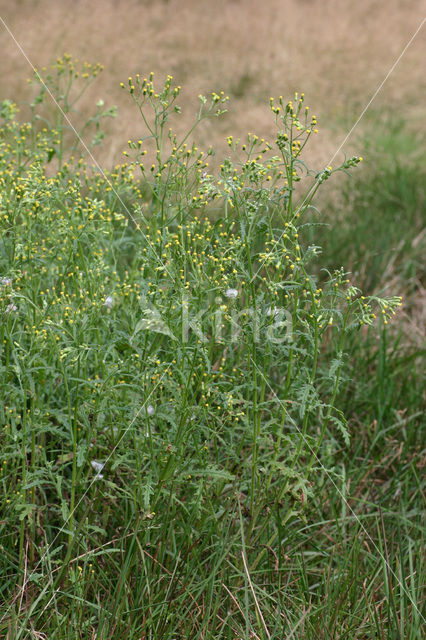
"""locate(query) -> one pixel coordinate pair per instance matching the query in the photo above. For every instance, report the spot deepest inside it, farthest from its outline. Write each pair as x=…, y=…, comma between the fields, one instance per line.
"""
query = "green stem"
x=74, y=459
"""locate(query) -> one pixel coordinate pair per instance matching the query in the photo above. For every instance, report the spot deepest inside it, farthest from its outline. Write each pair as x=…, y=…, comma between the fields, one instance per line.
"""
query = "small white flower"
x=98, y=466
x=231, y=293
x=11, y=307
x=150, y=410
x=108, y=302
x=6, y=281
x=108, y=430
x=272, y=311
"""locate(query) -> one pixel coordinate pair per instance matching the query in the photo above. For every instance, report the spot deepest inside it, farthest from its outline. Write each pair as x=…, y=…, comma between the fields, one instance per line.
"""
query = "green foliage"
x=171, y=365
x=384, y=233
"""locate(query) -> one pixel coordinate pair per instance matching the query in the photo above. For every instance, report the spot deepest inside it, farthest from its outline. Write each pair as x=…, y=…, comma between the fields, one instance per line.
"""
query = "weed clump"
x=163, y=341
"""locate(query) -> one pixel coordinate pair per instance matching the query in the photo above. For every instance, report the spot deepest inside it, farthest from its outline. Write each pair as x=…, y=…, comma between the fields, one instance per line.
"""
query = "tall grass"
x=177, y=461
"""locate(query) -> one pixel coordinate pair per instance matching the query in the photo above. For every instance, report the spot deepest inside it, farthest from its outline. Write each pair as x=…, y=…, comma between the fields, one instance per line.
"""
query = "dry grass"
x=336, y=52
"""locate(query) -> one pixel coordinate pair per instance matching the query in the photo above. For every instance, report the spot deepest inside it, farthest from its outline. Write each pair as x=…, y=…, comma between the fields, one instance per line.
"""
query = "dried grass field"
x=336, y=52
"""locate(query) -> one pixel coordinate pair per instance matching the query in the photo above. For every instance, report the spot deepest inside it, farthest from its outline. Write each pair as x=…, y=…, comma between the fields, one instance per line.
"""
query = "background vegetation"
x=337, y=52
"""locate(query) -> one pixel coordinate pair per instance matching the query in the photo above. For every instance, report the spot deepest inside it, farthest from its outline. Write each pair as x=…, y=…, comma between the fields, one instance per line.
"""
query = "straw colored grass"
x=336, y=52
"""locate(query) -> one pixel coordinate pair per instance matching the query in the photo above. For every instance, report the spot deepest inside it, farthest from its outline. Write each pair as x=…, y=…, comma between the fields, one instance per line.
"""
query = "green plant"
x=53, y=109
x=378, y=219
x=169, y=407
